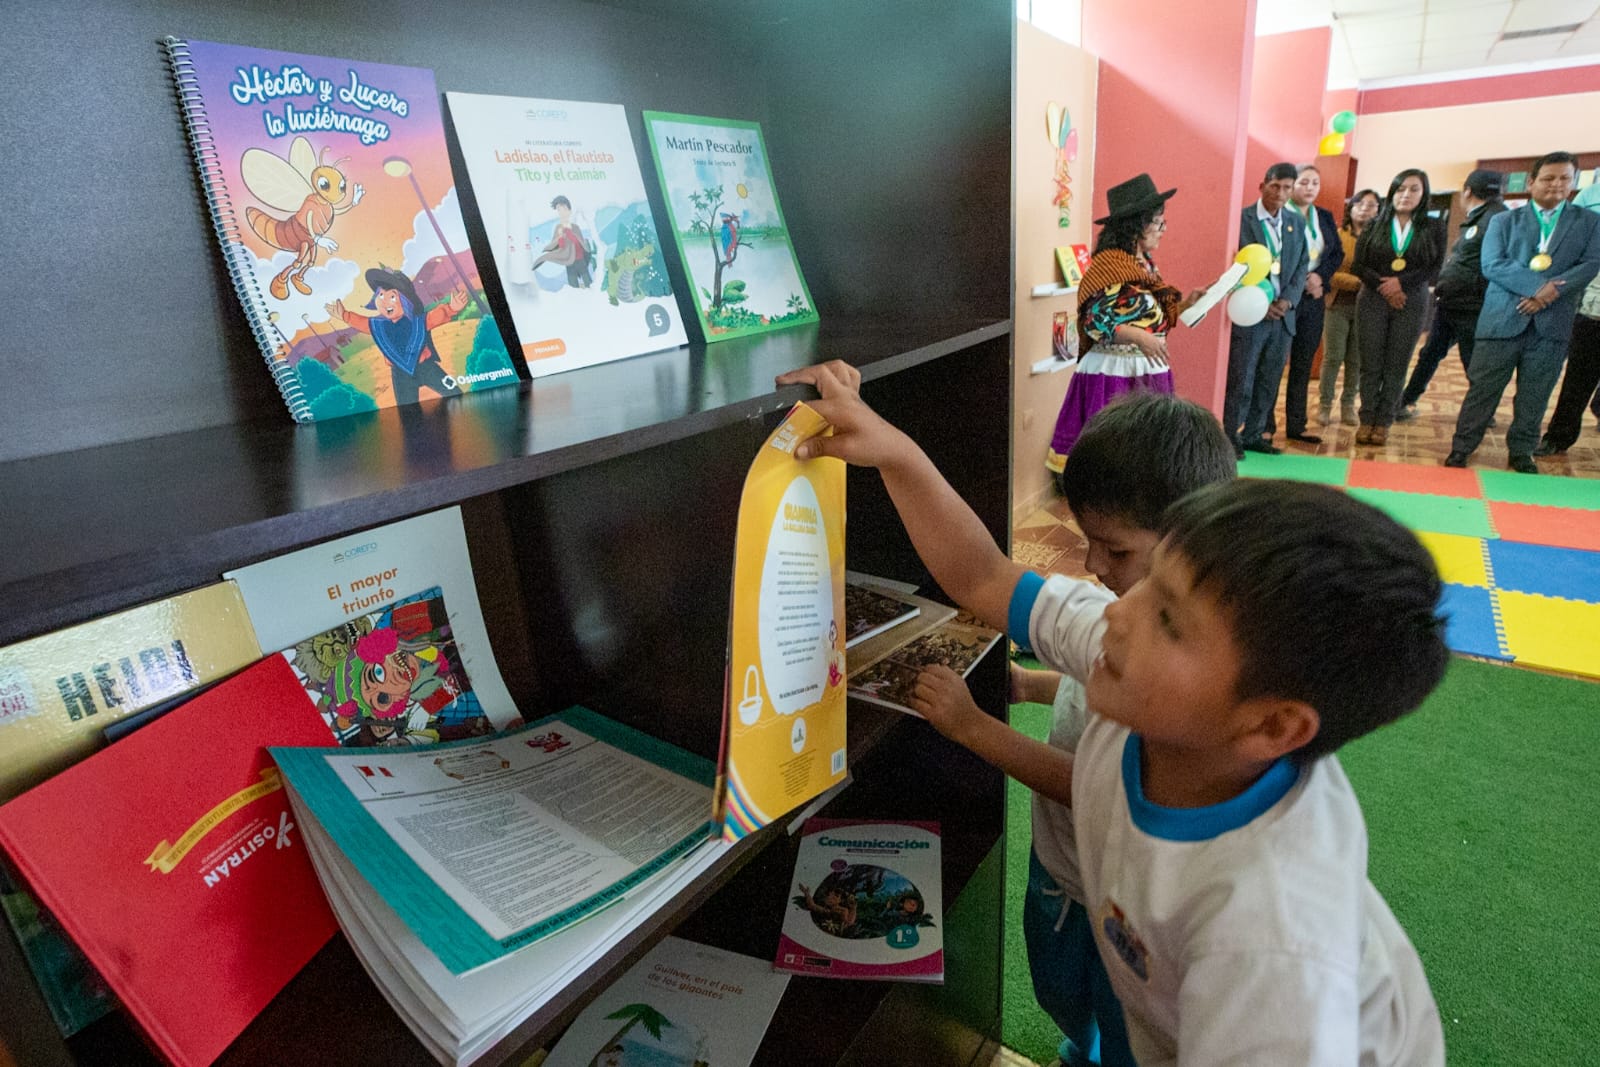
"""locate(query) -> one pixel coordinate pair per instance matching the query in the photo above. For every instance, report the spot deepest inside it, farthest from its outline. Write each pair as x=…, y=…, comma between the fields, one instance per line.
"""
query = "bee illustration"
x=311, y=191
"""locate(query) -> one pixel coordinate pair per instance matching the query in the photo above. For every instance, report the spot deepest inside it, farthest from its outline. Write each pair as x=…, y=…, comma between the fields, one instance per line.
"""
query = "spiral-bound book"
x=331, y=192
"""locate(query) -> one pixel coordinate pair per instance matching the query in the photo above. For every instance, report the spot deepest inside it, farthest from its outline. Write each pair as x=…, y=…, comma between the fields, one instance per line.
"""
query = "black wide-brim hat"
x=384, y=278
x=1133, y=196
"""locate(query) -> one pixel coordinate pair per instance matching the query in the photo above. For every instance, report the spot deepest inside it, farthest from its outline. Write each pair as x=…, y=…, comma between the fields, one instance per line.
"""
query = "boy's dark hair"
x=1279, y=171
x=1141, y=453
x=1553, y=157
x=1331, y=601
x=561, y=201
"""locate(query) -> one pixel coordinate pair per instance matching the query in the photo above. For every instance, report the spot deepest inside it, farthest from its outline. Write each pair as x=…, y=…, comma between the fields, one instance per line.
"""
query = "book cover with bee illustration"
x=331, y=192
x=563, y=204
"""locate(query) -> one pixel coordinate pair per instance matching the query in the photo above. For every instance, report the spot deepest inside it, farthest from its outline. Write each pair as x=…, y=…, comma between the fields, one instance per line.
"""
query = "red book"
x=173, y=859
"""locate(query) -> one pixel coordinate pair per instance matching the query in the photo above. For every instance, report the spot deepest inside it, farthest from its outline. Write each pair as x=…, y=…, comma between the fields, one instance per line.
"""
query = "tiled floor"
x=1049, y=540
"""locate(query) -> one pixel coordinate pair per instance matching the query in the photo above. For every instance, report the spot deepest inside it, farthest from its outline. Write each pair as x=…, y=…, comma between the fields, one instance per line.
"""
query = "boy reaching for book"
x=1136, y=457
x=1223, y=854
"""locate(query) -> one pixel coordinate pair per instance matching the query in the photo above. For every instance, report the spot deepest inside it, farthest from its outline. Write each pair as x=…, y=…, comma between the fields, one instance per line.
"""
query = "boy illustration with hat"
x=403, y=332
x=1256, y=354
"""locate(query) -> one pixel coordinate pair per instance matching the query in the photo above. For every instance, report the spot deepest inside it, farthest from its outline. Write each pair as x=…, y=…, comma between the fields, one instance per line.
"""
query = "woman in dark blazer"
x=1326, y=254
x=1397, y=256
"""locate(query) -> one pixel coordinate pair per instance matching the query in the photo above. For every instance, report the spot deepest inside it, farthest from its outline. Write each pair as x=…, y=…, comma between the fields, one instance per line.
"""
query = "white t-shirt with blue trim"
x=1054, y=840
x=1245, y=933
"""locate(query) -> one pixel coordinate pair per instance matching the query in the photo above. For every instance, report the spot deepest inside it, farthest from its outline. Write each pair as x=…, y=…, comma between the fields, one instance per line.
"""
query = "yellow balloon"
x=1332, y=144
x=1052, y=122
x=741, y=189
x=1257, y=262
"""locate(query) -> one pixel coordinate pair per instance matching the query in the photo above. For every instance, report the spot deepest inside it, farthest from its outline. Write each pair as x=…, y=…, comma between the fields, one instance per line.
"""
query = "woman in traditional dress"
x=1124, y=312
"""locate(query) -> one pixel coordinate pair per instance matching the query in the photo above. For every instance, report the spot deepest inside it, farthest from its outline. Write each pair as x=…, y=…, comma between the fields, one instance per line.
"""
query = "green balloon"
x=1066, y=128
x=1343, y=122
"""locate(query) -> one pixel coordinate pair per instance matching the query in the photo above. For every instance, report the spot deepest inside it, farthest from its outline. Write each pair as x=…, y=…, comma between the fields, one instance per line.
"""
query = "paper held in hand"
x=1215, y=295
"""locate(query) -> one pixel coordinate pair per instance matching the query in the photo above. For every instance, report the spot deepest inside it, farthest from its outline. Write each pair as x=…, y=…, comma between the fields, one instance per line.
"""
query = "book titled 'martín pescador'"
x=331, y=192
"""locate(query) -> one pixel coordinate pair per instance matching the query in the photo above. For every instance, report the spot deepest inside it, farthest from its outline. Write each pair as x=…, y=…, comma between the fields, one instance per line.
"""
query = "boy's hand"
x=860, y=436
x=941, y=696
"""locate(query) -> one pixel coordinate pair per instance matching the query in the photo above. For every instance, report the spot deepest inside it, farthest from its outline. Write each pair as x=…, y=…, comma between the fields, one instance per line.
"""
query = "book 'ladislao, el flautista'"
x=330, y=189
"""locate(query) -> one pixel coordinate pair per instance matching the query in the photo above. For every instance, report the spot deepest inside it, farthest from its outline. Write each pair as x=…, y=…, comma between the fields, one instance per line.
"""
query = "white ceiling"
x=1378, y=42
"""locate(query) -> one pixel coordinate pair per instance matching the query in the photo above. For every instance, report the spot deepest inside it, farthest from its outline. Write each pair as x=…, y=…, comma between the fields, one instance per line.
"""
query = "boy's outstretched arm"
x=941, y=696
x=947, y=534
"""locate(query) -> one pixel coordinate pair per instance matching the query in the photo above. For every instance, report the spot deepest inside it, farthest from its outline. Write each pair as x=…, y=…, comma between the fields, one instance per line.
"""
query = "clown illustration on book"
x=391, y=678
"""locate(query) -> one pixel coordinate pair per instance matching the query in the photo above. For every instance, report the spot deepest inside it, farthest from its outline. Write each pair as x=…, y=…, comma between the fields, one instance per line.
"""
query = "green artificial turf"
x=1483, y=814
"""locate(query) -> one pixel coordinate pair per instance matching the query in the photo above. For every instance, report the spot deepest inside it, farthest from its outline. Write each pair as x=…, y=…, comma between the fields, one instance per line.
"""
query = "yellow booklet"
x=60, y=690
x=783, y=727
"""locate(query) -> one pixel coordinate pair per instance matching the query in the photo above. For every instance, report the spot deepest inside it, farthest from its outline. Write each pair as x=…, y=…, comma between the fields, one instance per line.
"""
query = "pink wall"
x=1174, y=102
x=1561, y=82
x=1286, y=91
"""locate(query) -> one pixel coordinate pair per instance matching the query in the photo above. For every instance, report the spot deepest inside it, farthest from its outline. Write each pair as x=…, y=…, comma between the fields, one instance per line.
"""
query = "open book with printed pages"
x=475, y=878
x=890, y=681
x=930, y=616
x=869, y=610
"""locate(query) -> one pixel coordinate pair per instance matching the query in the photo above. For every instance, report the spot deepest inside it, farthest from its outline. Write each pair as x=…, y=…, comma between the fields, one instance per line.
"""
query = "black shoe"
x=1456, y=459
x=1238, y=450
x=1266, y=448
x=1306, y=438
x=1523, y=463
x=1548, y=447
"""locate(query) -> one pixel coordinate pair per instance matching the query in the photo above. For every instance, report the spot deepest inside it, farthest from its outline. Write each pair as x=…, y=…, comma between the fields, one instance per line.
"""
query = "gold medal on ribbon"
x=1398, y=264
x=1276, y=267
x=1540, y=262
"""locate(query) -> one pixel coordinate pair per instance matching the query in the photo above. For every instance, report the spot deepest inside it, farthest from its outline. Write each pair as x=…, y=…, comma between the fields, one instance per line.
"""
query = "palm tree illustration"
x=634, y=1015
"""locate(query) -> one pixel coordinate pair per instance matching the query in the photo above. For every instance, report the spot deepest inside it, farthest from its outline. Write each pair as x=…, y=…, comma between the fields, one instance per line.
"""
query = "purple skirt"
x=1100, y=378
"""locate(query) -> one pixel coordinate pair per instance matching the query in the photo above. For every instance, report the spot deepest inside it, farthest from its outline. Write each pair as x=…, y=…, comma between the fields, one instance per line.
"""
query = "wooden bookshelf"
x=1587, y=161
x=145, y=449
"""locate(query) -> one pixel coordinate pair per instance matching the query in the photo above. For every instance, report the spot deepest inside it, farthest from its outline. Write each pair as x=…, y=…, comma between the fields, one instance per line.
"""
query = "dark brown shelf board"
x=100, y=529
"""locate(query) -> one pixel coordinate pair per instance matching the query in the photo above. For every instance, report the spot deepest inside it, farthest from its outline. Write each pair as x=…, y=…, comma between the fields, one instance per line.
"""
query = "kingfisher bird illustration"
x=728, y=238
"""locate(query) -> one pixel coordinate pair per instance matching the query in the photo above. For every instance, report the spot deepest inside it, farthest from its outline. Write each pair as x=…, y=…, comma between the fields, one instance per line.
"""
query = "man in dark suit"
x=1458, y=295
x=1538, y=258
x=1324, y=255
x=1256, y=354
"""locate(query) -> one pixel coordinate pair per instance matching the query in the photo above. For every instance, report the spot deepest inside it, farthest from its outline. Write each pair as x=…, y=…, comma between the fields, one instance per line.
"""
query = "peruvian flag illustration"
x=380, y=779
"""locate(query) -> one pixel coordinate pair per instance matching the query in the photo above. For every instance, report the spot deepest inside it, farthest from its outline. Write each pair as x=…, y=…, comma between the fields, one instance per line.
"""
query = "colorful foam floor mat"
x=1519, y=553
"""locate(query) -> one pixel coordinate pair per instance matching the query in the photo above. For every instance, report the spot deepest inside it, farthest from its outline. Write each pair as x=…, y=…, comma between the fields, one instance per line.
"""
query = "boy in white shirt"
x=1134, y=459
x=1223, y=856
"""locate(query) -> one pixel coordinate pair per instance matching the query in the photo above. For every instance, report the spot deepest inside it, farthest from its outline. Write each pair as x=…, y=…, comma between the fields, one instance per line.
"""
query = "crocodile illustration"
x=620, y=271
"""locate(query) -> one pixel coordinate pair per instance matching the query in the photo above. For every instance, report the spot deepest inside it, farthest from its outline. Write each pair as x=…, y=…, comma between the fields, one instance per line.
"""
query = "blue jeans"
x=1069, y=979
